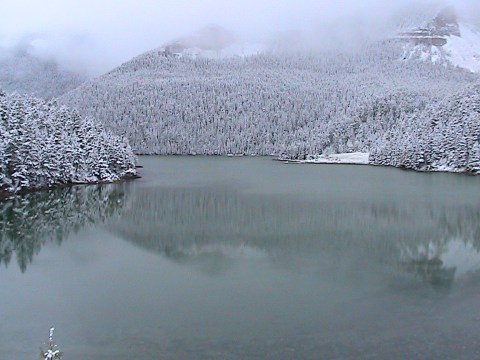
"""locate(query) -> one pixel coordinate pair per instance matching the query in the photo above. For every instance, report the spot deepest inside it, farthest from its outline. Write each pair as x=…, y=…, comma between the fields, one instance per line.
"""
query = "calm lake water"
x=245, y=258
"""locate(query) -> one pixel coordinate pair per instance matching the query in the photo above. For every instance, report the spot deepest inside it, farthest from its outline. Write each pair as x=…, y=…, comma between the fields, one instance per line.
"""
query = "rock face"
x=446, y=23
x=445, y=40
x=436, y=32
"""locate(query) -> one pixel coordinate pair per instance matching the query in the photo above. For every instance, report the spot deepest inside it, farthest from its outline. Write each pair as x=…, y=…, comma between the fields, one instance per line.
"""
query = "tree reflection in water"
x=30, y=221
x=185, y=225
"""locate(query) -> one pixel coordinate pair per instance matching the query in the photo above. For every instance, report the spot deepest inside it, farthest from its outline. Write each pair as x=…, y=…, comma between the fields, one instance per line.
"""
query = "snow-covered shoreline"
x=363, y=159
x=345, y=159
x=9, y=194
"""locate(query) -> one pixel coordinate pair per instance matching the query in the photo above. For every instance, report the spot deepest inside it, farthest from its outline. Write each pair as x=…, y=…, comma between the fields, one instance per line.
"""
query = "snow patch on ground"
x=347, y=158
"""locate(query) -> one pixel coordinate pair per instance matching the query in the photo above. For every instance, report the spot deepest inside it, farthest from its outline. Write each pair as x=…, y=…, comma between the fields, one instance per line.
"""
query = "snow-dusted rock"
x=445, y=40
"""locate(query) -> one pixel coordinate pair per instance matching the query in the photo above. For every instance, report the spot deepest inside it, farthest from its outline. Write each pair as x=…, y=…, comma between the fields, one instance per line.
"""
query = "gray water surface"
x=245, y=258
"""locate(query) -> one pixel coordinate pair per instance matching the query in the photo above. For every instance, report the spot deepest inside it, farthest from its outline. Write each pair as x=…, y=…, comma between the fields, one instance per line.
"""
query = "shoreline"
x=333, y=159
x=423, y=171
x=5, y=195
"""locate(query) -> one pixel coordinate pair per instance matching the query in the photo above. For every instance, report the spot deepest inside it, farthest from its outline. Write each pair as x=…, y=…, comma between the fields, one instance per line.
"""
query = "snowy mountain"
x=23, y=72
x=43, y=145
x=446, y=40
x=291, y=105
x=181, y=99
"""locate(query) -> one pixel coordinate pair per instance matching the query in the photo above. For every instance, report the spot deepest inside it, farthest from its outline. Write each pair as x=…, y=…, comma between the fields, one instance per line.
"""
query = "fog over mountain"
x=26, y=71
x=76, y=34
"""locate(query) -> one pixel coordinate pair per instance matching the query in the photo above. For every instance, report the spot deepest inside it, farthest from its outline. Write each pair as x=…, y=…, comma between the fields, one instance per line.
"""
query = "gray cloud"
x=102, y=34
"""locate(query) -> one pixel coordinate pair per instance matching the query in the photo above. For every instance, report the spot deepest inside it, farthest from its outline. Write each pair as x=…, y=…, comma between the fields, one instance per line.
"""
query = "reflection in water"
x=27, y=222
x=248, y=259
x=192, y=225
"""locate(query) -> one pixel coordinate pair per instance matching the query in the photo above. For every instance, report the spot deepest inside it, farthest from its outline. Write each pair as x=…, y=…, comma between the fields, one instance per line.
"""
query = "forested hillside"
x=270, y=104
x=43, y=145
x=444, y=136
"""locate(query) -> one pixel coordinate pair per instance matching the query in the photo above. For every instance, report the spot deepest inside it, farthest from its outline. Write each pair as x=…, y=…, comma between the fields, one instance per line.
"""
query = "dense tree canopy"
x=271, y=104
x=43, y=145
x=444, y=136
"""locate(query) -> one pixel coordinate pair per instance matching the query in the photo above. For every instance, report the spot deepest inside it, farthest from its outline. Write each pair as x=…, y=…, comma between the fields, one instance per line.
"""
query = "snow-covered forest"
x=272, y=104
x=43, y=145
x=443, y=137
x=30, y=221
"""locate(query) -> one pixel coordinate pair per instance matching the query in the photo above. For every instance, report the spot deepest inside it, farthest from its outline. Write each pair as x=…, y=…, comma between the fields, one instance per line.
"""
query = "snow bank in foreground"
x=347, y=158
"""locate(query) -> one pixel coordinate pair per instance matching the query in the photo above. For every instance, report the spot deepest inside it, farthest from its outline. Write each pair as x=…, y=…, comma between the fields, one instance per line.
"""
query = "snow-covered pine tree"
x=443, y=137
x=44, y=145
x=293, y=105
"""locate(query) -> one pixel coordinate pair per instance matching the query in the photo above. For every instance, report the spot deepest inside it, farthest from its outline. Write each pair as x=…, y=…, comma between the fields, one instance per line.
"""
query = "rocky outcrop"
x=436, y=32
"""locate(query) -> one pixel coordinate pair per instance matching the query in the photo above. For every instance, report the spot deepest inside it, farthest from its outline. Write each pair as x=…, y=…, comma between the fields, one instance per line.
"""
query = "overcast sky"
x=104, y=33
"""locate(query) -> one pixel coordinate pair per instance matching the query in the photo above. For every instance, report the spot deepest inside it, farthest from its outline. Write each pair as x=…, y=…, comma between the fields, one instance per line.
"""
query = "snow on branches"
x=43, y=145
x=443, y=137
x=289, y=105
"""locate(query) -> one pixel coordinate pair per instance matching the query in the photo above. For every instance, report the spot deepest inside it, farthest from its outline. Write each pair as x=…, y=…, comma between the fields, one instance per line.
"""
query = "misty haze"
x=239, y=179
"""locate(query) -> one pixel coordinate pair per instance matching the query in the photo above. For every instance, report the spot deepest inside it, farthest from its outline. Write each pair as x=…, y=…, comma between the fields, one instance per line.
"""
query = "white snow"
x=50, y=355
x=72, y=149
x=436, y=55
x=464, y=51
x=346, y=158
x=236, y=50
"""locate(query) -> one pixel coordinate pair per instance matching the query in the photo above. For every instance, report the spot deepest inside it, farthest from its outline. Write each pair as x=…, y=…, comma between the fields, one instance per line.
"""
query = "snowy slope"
x=43, y=145
x=464, y=50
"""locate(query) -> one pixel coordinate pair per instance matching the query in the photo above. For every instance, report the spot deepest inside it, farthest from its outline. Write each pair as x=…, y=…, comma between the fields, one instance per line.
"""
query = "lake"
x=245, y=258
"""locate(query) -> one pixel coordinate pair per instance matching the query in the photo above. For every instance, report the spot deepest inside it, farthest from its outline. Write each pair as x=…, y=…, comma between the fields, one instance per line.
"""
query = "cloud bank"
x=102, y=34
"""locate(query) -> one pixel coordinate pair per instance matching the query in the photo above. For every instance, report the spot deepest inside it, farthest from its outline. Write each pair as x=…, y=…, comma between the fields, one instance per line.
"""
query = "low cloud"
x=98, y=35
